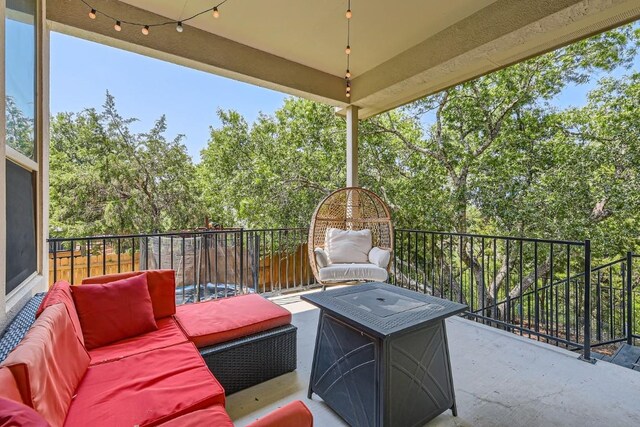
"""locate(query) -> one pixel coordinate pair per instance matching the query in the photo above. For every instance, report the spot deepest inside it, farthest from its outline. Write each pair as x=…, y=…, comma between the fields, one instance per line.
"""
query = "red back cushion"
x=14, y=414
x=48, y=364
x=114, y=311
x=8, y=386
x=162, y=288
x=60, y=292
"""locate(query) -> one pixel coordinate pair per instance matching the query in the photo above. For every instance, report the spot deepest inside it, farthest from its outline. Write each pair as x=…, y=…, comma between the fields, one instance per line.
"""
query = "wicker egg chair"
x=350, y=208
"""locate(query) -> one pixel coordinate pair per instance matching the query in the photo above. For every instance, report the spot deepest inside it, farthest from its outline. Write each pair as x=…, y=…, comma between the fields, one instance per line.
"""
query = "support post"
x=352, y=146
x=586, y=349
x=629, y=279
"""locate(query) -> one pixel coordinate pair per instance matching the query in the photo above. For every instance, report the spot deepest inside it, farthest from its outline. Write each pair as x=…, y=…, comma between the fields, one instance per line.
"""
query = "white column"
x=352, y=146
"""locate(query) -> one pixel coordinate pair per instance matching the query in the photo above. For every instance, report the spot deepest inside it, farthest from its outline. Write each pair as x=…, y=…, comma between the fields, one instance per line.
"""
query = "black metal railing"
x=533, y=287
x=615, y=302
x=209, y=264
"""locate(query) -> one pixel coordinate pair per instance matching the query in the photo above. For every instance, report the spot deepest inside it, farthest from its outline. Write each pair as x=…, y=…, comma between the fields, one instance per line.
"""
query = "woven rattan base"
x=19, y=326
x=248, y=361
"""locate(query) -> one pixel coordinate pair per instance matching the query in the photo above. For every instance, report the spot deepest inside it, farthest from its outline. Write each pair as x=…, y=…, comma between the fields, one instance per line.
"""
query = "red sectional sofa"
x=118, y=353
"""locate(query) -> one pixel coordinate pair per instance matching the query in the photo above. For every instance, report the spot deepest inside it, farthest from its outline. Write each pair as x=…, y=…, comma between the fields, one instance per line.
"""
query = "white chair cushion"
x=379, y=256
x=349, y=272
x=346, y=246
x=322, y=259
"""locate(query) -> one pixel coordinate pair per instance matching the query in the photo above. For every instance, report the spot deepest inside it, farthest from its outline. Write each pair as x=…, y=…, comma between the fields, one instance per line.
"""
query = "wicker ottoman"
x=244, y=339
x=248, y=361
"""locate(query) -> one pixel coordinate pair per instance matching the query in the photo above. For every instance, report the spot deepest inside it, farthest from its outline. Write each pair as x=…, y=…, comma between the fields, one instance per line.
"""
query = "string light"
x=145, y=27
x=347, y=51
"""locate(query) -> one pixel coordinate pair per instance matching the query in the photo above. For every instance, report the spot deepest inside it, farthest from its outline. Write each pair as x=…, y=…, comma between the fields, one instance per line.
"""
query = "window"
x=20, y=48
x=21, y=153
x=21, y=225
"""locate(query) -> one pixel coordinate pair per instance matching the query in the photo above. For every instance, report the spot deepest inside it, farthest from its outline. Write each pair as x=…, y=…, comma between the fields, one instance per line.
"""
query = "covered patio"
x=518, y=354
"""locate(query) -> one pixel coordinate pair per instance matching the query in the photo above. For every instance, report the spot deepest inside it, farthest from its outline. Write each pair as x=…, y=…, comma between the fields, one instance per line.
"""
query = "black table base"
x=370, y=379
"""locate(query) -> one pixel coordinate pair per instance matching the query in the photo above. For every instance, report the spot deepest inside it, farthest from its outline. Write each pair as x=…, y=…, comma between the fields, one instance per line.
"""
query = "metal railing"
x=209, y=264
x=533, y=287
x=615, y=302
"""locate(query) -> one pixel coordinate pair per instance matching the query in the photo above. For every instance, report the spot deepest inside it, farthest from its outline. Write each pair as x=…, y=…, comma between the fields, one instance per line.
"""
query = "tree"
x=497, y=158
x=273, y=173
x=19, y=129
x=106, y=179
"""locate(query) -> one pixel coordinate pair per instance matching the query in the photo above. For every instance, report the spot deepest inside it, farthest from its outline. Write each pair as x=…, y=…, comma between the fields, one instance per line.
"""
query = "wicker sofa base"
x=248, y=361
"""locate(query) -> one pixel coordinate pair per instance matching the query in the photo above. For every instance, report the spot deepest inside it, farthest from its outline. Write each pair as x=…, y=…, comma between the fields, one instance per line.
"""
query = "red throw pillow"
x=161, y=283
x=115, y=311
x=14, y=414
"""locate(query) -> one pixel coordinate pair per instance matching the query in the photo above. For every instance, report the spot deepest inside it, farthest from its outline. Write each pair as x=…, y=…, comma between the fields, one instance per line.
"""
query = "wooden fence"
x=84, y=266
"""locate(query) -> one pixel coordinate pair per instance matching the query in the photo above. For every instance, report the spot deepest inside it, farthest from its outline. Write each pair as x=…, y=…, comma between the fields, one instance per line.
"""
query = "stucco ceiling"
x=401, y=50
x=314, y=32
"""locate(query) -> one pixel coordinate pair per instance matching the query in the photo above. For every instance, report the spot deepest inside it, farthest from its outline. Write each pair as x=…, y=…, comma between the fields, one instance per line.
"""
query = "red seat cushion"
x=15, y=414
x=168, y=334
x=60, y=292
x=294, y=414
x=226, y=319
x=145, y=389
x=162, y=288
x=115, y=311
x=48, y=364
x=212, y=416
x=8, y=386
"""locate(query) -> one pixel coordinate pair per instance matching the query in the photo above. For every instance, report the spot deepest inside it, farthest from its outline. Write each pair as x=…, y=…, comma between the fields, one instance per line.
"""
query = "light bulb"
x=347, y=50
x=348, y=95
x=348, y=14
x=216, y=12
x=348, y=88
x=179, y=27
x=117, y=26
x=348, y=75
x=92, y=14
x=145, y=30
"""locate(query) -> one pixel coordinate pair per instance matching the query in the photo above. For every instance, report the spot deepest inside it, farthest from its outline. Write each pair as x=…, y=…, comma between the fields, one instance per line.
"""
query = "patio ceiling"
x=401, y=51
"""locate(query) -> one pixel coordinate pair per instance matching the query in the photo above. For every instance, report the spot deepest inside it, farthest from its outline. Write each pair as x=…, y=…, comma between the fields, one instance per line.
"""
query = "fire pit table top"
x=382, y=309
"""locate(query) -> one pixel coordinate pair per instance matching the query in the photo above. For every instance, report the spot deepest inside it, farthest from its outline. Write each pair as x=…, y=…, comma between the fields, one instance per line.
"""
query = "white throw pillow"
x=347, y=246
x=379, y=257
x=322, y=259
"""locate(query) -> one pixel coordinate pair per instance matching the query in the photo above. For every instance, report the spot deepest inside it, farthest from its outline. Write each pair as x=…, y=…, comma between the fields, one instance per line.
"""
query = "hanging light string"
x=146, y=27
x=347, y=50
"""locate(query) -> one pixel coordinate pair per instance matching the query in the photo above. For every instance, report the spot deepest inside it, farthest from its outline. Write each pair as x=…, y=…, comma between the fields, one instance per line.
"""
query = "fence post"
x=629, y=298
x=586, y=349
x=241, y=260
x=395, y=260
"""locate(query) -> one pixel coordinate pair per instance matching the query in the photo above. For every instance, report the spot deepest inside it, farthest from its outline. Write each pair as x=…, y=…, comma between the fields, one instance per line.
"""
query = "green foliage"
x=19, y=129
x=495, y=156
x=488, y=156
x=105, y=179
x=273, y=173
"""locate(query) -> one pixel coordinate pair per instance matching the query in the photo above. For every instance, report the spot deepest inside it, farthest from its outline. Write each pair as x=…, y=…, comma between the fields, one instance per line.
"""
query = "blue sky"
x=146, y=88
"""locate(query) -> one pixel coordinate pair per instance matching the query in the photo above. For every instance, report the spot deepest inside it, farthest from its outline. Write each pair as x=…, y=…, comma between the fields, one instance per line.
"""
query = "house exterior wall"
x=10, y=303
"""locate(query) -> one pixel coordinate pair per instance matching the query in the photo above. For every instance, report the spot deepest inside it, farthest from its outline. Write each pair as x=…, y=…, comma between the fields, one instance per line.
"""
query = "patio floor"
x=500, y=379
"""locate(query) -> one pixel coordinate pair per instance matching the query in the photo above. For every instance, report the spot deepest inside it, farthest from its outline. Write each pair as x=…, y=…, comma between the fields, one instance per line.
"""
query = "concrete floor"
x=500, y=380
